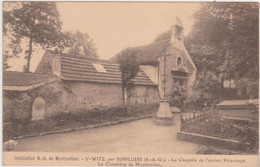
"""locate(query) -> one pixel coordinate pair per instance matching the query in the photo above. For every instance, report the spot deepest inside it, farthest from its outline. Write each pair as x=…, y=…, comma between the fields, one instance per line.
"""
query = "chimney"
x=177, y=32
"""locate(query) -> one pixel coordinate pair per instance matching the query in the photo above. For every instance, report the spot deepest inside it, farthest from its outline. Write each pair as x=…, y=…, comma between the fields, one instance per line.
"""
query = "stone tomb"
x=239, y=109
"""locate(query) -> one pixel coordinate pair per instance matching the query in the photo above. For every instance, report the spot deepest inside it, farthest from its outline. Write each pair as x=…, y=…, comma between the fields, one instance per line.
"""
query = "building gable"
x=180, y=59
x=45, y=65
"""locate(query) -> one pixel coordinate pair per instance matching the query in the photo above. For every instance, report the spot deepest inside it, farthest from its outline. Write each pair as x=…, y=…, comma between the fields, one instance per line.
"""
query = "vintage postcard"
x=130, y=84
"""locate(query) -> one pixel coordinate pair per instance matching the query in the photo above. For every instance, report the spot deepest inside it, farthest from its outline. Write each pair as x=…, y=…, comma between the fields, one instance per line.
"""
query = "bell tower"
x=177, y=36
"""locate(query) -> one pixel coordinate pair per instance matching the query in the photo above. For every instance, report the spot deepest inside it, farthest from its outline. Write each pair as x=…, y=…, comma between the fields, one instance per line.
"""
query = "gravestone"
x=38, y=109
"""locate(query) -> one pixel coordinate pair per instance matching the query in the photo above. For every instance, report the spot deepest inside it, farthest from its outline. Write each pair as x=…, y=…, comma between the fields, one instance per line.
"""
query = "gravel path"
x=137, y=136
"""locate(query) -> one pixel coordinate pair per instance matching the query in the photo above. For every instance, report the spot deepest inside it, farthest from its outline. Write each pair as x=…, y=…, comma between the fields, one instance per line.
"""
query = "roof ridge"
x=91, y=60
x=159, y=41
x=27, y=73
x=141, y=46
x=79, y=56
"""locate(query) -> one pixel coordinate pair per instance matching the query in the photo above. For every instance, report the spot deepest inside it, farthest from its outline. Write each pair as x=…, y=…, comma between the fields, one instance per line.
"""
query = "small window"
x=99, y=67
x=179, y=61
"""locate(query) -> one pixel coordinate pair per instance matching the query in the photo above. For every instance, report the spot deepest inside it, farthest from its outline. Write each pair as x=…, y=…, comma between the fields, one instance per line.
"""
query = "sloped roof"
x=14, y=78
x=79, y=68
x=150, y=52
x=20, y=81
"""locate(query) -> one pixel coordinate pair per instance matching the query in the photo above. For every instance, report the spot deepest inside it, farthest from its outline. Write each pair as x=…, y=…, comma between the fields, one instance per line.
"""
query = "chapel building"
x=71, y=84
x=167, y=62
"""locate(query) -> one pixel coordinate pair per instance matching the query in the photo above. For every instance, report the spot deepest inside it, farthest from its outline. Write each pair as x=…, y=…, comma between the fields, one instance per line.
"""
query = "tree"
x=129, y=69
x=81, y=44
x=37, y=22
x=6, y=54
x=224, y=43
x=13, y=42
x=164, y=36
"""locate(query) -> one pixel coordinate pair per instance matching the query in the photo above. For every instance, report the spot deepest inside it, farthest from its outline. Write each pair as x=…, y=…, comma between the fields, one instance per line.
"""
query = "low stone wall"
x=216, y=151
x=213, y=141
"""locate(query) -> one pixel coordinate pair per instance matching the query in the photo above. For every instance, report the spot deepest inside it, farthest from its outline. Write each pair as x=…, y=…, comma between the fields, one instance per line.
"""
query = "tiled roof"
x=13, y=78
x=79, y=68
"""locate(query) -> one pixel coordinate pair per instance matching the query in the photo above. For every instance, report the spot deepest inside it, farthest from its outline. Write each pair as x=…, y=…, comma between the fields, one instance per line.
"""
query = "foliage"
x=20, y=105
x=164, y=36
x=208, y=88
x=6, y=56
x=129, y=69
x=81, y=44
x=37, y=22
x=224, y=46
x=14, y=44
x=208, y=91
x=178, y=96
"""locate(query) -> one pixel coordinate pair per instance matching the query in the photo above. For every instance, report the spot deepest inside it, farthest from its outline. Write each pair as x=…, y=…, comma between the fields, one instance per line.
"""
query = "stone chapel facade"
x=168, y=63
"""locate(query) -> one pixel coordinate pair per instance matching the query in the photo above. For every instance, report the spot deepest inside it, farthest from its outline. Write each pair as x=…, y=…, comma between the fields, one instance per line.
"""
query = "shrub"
x=178, y=96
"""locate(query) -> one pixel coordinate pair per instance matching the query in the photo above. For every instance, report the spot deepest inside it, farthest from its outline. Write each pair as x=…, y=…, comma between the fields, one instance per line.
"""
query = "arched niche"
x=38, y=109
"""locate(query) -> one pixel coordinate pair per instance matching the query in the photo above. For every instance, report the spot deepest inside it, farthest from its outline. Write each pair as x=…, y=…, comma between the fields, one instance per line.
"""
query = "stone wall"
x=7, y=108
x=63, y=97
x=144, y=95
x=90, y=96
x=17, y=105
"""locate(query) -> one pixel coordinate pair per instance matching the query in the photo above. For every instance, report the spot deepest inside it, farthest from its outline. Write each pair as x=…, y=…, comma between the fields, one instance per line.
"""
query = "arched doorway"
x=180, y=79
x=38, y=109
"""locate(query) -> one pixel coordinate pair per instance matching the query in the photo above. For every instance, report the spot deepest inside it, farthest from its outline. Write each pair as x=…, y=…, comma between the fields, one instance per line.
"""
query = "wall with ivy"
x=18, y=104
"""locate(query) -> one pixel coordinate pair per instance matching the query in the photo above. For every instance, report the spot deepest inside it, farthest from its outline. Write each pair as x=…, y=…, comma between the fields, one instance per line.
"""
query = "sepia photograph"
x=131, y=83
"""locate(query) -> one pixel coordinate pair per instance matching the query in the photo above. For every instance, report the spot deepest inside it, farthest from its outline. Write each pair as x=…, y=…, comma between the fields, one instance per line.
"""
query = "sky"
x=116, y=25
